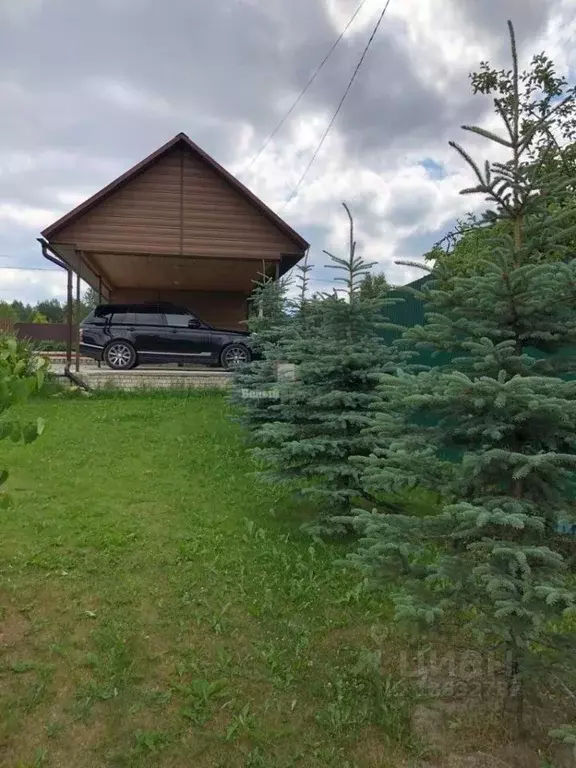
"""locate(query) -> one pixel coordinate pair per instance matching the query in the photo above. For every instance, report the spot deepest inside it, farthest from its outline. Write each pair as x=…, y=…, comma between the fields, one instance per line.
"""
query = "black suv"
x=124, y=335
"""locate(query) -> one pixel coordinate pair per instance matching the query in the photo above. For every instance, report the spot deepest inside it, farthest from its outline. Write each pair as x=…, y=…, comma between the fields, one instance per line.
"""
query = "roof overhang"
x=108, y=271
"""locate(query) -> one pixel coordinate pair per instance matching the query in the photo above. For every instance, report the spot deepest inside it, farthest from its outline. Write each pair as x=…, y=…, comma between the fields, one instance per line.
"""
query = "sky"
x=89, y=89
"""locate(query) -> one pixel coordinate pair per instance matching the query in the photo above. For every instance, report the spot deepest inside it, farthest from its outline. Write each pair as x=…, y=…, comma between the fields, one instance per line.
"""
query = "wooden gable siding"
x=177, y=205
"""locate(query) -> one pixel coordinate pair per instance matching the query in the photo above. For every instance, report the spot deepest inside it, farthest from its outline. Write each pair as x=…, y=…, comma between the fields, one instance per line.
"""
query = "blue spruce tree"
x=323, y=415
x=507, y=405
x=253, y=390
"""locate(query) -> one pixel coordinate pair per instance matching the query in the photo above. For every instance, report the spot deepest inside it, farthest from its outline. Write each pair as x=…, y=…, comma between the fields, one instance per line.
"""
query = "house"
x=176, y=227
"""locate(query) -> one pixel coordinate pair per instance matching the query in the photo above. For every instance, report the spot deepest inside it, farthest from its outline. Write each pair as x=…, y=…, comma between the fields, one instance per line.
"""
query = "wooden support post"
x=99, y=302
x=78, y=320
x=70, y=321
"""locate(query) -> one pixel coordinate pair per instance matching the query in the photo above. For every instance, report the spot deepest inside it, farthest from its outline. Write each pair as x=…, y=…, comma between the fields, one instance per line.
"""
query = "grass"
x=159, y=606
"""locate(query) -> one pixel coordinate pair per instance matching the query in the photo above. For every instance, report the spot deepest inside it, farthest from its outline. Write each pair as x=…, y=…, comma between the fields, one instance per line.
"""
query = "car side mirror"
x=194, y=323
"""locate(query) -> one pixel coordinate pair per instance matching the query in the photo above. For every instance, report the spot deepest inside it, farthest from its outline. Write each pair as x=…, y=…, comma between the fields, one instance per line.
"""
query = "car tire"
x=234, y=355
x=120, y=355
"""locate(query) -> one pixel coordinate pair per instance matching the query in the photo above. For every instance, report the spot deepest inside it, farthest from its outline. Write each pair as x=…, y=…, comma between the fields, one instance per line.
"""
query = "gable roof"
x=182, y=139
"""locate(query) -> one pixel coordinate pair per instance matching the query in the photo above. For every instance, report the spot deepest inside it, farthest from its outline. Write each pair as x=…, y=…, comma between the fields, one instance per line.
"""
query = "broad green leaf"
x=30, y=432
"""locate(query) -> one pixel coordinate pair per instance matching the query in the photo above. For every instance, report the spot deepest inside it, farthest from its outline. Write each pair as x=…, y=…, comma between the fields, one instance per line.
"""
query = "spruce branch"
x=502, y=112
x=487, y=135
x=515, y=84
x=469, y=160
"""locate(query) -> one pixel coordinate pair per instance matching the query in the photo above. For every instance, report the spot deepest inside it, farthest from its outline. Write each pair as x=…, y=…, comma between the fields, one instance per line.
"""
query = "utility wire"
x=306, y=87
x=338, y=108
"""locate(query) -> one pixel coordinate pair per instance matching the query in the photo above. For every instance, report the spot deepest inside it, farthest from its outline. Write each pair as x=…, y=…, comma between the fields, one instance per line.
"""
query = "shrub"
x=21, y=375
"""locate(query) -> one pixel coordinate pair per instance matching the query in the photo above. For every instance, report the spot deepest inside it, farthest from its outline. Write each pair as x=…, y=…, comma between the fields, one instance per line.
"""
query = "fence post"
x=7, y=325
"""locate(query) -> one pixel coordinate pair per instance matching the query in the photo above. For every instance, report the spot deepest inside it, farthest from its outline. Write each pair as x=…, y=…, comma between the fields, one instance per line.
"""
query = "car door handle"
x=174, y=331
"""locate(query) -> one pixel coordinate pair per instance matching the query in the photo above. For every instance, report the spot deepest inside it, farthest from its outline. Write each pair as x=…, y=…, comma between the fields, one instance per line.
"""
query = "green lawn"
x=159, y=606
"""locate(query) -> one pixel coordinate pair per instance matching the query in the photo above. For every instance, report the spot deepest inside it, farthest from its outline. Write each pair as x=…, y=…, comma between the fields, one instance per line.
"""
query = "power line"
x=306, y=87
x=339, y=107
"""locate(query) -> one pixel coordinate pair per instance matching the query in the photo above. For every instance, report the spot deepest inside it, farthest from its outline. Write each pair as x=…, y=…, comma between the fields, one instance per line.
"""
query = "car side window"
x=148, y=318
x=99, y=316
x=124, y=318
x=179, y=320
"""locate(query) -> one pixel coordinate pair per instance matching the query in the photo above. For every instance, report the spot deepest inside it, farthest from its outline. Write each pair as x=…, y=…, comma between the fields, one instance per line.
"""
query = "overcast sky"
x=88, y=89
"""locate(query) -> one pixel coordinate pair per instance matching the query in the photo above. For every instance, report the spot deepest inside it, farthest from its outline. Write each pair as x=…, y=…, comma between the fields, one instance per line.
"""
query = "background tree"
x=7, y=312
x=491, y=558
x=52, y=310
x=373, y=286
x=24, y=311
x=90, y=299
x=37, y=317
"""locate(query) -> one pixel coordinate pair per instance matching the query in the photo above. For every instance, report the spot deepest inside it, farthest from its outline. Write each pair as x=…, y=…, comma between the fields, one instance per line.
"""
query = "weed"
x=360, y=695
x=53, y=729
x=39, y=759
x=159, y=698
x=150, y=741
x=22, y=666
x=199, y=697
x=243, y=724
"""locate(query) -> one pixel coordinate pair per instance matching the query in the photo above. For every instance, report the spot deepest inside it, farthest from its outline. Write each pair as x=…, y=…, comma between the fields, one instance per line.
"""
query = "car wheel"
x=120, y=356
x=234, y=355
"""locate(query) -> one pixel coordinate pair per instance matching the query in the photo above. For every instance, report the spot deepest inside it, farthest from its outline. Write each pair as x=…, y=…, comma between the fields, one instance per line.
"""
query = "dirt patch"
x=78, y=745
x=14, y=627
x=477, y=736
x=373, y=751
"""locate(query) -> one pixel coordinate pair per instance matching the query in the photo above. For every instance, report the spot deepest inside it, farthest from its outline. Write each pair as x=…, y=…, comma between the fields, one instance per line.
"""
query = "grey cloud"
x=210, y=68
x=229, y=59
x=528, y=16
x=226, y=59
x=407, y=208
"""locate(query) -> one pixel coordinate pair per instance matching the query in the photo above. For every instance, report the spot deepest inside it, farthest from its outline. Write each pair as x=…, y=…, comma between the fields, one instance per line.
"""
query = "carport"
x=176, y=227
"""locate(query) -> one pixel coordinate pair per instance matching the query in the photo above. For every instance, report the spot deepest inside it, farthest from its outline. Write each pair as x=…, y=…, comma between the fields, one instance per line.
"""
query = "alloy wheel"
x=235, y=356
x=119, y=356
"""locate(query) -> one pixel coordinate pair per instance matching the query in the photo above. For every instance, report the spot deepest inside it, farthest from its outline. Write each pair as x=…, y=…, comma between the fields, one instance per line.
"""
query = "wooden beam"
x=98, y=271
x=149, y=254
